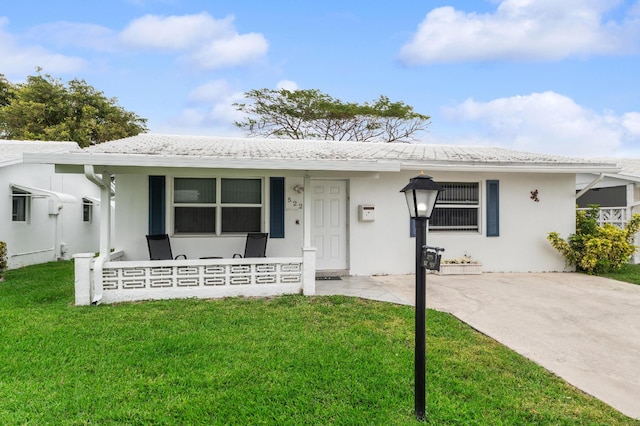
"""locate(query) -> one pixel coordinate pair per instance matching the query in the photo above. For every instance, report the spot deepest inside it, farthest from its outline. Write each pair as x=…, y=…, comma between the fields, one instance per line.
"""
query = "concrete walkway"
x=584, y=329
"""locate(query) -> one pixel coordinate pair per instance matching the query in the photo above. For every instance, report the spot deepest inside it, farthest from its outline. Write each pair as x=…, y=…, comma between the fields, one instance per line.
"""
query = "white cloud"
x=230, y=51
x=175, y=33
x=522, y=30
x=287, y=85
x=206, y=42
x=549, y=123
x=631, y=122
x=17, y=60
x=66, y=34
x=210, y=109
x=200, y=40
x=210, y=92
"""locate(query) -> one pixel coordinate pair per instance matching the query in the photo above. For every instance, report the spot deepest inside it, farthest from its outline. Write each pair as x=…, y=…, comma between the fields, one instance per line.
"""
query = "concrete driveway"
x=584, y=329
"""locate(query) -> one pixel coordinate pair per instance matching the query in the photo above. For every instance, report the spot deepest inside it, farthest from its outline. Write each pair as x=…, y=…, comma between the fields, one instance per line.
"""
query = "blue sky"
x=548, y=76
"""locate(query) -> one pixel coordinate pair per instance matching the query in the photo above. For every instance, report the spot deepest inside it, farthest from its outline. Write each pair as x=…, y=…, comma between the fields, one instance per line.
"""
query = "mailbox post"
x=421, y=194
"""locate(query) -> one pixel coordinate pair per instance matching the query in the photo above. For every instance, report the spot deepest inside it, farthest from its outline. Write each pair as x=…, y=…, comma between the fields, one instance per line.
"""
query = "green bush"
x=597, y=249
x=3, y=257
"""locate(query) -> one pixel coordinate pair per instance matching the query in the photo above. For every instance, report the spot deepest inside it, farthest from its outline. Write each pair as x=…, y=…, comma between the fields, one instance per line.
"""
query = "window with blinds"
x=217, y=206
x=457, y=209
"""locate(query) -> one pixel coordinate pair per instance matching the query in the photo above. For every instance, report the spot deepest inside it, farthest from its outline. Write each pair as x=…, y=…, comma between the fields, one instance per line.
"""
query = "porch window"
x=217, y=205
x=457, y=209
x=241, y=205
x=20, y=205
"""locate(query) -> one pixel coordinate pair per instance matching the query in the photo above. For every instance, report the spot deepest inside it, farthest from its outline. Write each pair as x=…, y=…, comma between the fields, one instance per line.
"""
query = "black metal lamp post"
x=422, y=193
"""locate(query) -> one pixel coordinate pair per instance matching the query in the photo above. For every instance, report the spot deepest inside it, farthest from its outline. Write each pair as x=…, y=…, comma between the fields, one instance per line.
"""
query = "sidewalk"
x=582, y=328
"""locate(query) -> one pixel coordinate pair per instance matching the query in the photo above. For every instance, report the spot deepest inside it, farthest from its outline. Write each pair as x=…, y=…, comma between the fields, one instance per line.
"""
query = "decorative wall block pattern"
x=148, y=276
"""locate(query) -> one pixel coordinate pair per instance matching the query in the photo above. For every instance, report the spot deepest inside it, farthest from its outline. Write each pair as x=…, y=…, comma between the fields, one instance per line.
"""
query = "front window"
x=194, y=205
x=241, y=205
x=20, y=205
x=457, y=208
x=217, y=205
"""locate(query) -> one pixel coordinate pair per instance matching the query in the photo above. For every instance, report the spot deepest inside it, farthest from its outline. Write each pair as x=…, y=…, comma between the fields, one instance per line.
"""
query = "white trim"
x=204, y=162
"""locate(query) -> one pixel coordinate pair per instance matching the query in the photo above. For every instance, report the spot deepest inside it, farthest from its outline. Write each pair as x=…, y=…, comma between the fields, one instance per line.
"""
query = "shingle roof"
x=202, y=151
x=11, y=152
x=629, y=166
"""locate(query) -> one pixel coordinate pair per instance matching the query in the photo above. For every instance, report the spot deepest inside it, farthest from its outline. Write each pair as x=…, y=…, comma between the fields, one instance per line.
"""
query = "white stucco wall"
x=35, y=242
x=385, y=247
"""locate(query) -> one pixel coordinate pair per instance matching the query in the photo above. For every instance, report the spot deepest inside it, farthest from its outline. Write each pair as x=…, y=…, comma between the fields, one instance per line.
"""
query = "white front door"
x=329, y=223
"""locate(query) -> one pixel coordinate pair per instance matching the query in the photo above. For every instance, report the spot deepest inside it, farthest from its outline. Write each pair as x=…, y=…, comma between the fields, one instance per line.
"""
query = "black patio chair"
x=255, y=246
x=160, y=248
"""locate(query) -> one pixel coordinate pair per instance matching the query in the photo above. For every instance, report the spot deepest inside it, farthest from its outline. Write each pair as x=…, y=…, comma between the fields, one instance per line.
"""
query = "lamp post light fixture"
x=422, y=193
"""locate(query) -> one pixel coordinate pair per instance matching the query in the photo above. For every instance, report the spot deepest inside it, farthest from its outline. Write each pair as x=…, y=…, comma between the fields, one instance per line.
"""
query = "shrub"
x=3, y=257
x=596, y=249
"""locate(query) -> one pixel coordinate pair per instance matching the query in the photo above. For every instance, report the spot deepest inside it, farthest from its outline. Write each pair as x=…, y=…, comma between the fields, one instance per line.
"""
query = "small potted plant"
x=460, y=266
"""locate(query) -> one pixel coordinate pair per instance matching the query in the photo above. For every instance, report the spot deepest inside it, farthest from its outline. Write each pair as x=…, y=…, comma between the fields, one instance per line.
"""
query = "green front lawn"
x=628, y=273
x=286, y=360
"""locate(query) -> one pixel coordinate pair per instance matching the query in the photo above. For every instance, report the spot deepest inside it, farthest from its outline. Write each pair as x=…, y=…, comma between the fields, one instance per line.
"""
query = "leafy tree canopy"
x=44, y=108
x=311, y=114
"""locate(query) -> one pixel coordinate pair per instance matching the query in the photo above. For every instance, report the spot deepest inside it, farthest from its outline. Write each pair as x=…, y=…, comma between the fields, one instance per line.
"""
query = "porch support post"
x=308, y=252
x=104, y=182
x=309, y=271
x=82, y=282
x=306, y=213
x=105, y=215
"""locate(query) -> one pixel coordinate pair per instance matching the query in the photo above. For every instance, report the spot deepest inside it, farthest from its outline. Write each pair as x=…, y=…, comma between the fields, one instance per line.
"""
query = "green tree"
x=44, y=108
x=596, y=249
x=311, y=114
x=5, y=91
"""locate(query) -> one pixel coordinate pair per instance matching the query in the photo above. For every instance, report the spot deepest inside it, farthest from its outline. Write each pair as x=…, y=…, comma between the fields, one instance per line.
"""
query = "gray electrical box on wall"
x=366, y=213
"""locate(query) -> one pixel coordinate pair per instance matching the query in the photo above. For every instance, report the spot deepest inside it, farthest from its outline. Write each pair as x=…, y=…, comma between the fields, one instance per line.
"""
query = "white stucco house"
x=329, y=207
x=44, y=216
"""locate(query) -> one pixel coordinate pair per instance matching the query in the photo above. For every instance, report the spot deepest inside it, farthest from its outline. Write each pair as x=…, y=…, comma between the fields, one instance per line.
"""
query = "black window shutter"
x=493, y=208
x=157, y=205
x=276, y=207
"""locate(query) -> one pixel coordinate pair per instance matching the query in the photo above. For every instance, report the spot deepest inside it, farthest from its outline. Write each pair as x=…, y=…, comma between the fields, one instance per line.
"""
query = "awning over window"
x=93, y=200
x=58, y=196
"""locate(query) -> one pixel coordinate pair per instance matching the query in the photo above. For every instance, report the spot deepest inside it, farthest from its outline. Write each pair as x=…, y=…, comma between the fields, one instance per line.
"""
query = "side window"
x=87, y=210
x=20, y=206
x=457, y=209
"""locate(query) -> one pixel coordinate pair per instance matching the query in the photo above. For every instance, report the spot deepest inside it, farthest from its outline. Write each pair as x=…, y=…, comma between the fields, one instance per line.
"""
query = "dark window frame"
x=222, y=226
x=20, y=206
x=87, y=210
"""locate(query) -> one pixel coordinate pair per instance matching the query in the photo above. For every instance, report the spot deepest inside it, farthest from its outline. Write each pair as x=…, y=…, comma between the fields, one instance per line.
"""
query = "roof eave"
x=512, y=167
x=213, y=163
x=323, y=164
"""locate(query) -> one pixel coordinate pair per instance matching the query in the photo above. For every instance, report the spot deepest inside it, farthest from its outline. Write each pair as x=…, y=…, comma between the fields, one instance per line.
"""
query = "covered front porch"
x=124, y=273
